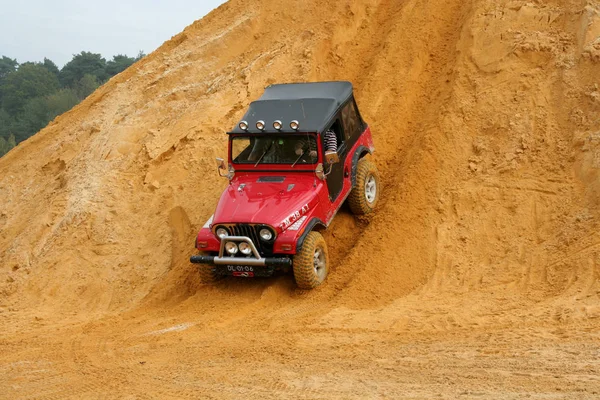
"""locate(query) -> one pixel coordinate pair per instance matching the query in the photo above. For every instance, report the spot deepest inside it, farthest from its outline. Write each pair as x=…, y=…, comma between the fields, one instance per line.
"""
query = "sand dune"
x=478, y=277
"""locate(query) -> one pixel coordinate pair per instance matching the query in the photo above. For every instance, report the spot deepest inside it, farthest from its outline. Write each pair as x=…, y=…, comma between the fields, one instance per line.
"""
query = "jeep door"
x=335, y=178
x=348, y=127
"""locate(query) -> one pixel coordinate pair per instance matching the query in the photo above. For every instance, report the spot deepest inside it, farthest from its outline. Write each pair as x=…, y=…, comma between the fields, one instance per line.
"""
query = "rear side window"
x=352, y=123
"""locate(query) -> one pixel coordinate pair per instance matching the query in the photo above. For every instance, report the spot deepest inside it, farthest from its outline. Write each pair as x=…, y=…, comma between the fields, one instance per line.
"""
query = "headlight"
x=243, y=125
x=277, y=125
x=222, y=232
x=266, y=234
x=231, y=248
x=294, y=125
x=245, y=248
x=260, y=125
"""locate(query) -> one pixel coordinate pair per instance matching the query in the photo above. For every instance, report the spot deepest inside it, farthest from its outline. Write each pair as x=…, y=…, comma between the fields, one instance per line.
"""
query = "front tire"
x=365, y=194
x=206, y=273
x=311, y=263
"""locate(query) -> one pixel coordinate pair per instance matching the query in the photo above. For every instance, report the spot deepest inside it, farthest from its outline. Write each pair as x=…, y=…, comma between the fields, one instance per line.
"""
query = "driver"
x=305, y=146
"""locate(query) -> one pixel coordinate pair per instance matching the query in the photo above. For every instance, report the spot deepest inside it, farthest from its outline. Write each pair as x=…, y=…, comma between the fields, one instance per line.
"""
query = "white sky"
x=33, y=29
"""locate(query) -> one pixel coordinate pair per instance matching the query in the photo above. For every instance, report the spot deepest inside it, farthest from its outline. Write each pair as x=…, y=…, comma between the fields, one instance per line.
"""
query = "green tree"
x=28, y=82
x=6, y=145
x=39, y=111
x=86, y=86
x=33, y=118
x=50, y=66
x=118, y=64
x=7, y=65
x=3, y=147
x=60, y=102
x=82, y=64
x=5, y=124
x=20, y=127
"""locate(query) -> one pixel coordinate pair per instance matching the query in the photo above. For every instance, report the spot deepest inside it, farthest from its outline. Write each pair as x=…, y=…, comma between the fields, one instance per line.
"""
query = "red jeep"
x=295, y=157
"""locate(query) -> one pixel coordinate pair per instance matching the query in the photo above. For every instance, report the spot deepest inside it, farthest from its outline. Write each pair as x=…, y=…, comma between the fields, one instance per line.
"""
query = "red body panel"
x=280, y=204
x=248, y=201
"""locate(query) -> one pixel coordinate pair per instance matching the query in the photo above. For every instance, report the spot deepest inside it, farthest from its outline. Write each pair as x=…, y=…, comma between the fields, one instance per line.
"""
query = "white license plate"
x=239, y=268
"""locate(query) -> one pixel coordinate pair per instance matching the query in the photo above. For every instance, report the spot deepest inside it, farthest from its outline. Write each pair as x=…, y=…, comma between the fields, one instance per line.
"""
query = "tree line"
x=33, y=93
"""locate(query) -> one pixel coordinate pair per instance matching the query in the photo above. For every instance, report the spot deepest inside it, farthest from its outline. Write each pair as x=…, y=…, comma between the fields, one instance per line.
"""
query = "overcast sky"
x=33, y=29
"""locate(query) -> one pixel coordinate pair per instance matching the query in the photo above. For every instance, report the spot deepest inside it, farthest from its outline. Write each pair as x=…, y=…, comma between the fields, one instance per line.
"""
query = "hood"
x=256, y=198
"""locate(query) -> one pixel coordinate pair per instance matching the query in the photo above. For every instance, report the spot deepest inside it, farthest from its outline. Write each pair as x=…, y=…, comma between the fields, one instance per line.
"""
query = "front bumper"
x=277, y=262
x=255, y=260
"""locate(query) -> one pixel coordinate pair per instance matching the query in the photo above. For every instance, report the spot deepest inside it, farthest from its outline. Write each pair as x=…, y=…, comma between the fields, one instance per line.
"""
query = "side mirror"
x=332, y=157
x=222, y=166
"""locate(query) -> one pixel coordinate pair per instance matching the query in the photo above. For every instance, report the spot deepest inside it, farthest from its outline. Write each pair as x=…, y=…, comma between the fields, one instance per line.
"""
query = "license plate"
x=239, y=268
x=243, y=271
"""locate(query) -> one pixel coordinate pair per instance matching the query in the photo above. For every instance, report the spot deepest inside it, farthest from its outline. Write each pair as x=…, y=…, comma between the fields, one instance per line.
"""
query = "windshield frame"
x=310, y=162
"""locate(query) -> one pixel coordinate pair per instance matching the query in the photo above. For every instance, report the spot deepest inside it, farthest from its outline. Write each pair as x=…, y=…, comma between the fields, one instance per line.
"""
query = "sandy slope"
x=477, y=278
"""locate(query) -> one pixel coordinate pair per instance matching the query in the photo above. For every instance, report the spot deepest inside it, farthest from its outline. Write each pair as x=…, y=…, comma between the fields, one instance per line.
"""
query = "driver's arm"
x=330, y=140
x=303, y=145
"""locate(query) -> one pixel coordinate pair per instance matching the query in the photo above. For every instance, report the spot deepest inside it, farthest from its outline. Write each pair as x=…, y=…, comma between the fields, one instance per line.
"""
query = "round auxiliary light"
x=231, y=248
x=243, y=125
x=266, y=234
x=260, y=125
x=222, y=232
x=294, y=125
x=245, y=248
x=277, y=125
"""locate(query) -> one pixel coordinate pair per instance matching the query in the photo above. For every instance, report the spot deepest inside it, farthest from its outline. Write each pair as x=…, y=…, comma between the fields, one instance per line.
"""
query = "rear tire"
x=207, y=275
x=311, y=263
x=365, y=193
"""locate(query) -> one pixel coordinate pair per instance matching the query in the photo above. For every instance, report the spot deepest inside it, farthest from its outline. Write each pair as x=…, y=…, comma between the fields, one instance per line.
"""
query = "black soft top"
x=313, y=105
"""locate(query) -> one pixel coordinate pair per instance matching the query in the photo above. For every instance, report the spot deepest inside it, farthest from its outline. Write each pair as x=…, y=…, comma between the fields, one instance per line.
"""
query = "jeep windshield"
x=292, y=149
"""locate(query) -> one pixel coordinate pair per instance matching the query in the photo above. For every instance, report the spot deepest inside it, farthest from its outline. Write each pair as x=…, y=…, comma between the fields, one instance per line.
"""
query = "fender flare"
x=359, y=153
x=309, y=228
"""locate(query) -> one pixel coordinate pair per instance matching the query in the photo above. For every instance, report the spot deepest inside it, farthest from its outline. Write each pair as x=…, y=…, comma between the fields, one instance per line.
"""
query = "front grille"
x=249, y=231
x=252, y=231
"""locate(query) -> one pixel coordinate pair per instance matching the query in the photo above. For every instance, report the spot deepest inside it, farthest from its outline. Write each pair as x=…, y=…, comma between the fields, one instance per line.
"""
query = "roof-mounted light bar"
x=277, y=125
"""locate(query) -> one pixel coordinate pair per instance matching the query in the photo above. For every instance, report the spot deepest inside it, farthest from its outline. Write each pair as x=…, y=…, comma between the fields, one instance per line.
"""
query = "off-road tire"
x=307, y=271
x=205, y=271
x=363, y=199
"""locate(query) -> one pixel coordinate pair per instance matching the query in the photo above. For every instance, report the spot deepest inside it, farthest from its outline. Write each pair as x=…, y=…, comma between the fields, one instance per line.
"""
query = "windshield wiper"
x=263, y=154
x=298, y=159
